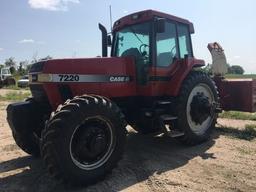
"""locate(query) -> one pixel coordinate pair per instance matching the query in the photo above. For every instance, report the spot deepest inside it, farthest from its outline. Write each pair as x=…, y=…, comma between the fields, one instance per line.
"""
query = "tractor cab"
x=161, y=47
x=5, y=73
x=157, y=43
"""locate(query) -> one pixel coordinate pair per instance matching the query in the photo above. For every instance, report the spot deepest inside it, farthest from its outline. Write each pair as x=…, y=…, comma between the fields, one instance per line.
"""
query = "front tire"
x=196, y=108
x=83, y=140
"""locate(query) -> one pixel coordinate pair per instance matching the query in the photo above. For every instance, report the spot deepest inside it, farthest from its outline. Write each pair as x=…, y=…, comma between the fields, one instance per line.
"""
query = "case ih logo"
x=119, y=79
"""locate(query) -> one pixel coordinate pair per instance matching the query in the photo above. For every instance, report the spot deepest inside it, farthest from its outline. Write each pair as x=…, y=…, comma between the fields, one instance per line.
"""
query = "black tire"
x=195, y=132
x=27, y=142
x=73, y=121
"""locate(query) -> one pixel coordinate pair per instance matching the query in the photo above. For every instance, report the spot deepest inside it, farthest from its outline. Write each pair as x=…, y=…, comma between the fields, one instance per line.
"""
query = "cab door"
x=172, y=47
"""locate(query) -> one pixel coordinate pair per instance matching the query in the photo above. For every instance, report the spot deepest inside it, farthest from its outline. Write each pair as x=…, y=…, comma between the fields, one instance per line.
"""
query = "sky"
x=69, y=28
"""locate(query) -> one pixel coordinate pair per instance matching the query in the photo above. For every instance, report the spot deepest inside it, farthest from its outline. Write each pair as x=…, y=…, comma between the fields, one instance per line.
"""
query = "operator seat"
x=132, y=52
x=165, y=59
x=139, y=62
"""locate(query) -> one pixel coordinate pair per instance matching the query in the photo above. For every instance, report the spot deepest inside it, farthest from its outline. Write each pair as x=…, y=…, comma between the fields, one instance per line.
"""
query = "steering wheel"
x=142, y=49
x=173, y=49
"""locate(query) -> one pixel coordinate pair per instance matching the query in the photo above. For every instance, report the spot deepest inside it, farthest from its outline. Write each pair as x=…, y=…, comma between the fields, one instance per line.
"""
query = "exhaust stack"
x=104, y=36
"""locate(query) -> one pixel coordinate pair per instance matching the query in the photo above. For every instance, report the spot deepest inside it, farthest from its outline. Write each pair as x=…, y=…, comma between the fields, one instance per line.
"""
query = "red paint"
x=97, y=66
x=116, y=66
x=146, y=16
x=238, y=95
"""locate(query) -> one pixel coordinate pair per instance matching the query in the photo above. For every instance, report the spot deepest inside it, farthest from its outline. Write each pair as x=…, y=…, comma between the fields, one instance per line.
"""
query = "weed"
x=15, y=87
x=238, y=115
x=15, y=96
x=238, y=76
x=249, y=133
x=246, y=151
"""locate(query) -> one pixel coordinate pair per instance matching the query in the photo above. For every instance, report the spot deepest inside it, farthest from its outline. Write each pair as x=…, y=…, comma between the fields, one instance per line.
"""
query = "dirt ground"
x=225, y=163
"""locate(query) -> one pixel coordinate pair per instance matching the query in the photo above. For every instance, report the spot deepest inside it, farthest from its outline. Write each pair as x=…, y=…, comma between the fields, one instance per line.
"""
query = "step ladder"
x=167, y=120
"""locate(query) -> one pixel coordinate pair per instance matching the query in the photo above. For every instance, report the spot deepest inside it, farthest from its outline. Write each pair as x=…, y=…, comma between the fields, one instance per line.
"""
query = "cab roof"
x=146, y=15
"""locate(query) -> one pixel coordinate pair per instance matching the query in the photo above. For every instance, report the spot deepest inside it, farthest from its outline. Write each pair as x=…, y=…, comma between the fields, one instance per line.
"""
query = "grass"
x=238, y=115
x=15, y=96
x=15, y=87
x=246, y=151
x=249, y=133
x=235, y=76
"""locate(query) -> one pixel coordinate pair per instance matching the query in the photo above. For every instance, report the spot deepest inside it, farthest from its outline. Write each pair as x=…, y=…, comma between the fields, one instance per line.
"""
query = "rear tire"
x=193, y=119
x=83, y=140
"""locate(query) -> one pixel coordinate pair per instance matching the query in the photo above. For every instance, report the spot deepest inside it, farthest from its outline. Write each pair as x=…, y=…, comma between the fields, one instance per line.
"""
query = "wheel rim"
x=203, y=93
x=92, y=143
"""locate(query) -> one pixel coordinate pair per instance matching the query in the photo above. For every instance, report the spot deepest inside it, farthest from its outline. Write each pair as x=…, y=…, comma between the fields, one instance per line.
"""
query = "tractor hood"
x=83, y=70
x=55, y=81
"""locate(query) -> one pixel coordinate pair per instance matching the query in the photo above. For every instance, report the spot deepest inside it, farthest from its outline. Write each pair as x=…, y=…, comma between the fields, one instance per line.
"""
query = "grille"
x=39, y=93
x=37, y=67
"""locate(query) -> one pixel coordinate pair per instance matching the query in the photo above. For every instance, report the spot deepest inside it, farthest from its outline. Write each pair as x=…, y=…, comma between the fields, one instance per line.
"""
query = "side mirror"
x=160, y=25
x=109, y=41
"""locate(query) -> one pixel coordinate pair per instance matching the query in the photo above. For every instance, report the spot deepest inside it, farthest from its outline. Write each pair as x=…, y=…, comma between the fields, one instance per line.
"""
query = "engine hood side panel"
x=110, y=77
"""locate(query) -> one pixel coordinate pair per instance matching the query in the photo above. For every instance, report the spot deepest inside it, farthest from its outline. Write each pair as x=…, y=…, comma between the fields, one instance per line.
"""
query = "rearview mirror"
x=160, y=25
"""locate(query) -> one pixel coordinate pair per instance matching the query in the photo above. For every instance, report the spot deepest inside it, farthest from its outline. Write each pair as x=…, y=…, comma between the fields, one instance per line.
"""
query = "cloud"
x=1, y=49
x=26, y=41
x=237, y=57
x=51, y=5
x=40, y=42
x=31, y=41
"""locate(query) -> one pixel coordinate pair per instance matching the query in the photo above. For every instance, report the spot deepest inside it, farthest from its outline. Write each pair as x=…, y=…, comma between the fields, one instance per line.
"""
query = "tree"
x=45, y=58
x=236, y=69
x=207, y=69
x=12, y=70
x=21, y=69
x=10, y=62
x=28, y=68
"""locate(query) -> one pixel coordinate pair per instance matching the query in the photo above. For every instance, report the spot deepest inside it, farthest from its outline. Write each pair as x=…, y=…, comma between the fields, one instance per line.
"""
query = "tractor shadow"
x=144, y=157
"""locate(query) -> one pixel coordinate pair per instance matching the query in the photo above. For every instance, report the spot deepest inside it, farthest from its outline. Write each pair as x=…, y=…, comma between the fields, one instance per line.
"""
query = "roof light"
x=135, y=16
x=117, y=23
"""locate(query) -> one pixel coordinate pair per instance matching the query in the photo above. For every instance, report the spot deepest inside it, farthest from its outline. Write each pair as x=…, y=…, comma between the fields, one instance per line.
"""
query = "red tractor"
x=77, y=116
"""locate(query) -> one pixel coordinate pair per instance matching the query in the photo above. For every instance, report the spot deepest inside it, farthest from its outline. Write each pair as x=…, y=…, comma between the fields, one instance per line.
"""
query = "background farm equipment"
x=6, y=78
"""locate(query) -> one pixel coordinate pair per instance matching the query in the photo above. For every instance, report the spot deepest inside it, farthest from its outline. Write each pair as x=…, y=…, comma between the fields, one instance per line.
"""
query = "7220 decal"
x=69, y=78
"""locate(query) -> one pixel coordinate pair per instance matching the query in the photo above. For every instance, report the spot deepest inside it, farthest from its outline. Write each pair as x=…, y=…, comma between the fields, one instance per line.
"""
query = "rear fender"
x=181, y=73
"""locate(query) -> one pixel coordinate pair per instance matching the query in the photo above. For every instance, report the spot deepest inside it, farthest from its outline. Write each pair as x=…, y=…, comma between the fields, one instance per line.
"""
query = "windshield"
x=133, y=41
x=24, y=77
x=5, y=71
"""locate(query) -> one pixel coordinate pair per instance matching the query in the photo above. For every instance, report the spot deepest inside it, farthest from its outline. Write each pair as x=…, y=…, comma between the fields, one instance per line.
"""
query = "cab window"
x=166, y=45
x=184, y=41
x=134, y=41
